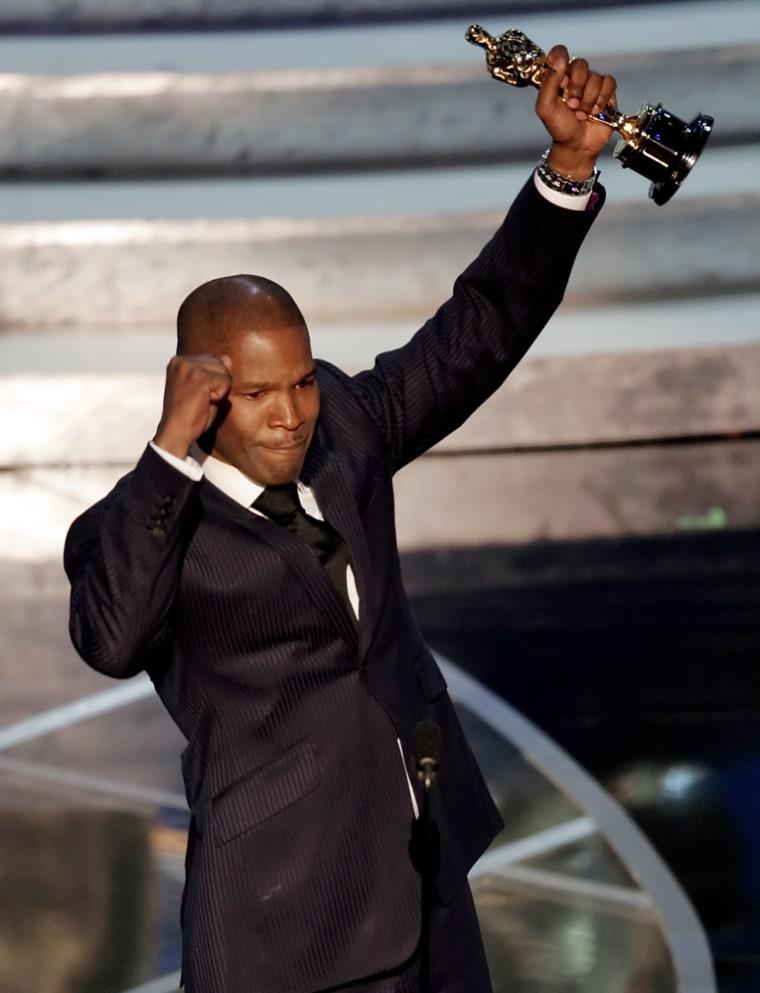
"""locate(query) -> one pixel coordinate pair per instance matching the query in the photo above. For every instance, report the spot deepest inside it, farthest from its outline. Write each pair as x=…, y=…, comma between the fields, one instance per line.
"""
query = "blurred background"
x=357, y=151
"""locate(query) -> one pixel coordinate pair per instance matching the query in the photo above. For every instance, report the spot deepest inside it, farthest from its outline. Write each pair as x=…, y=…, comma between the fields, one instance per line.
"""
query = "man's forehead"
x=287, y=343
x=269, y=333
x=247, y=329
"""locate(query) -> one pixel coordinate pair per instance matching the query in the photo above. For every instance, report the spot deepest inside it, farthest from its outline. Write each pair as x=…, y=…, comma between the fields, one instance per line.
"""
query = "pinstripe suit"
x=300, y=876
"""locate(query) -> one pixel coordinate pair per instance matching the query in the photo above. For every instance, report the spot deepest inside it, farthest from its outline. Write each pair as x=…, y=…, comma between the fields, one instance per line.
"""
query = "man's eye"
x=255, y=395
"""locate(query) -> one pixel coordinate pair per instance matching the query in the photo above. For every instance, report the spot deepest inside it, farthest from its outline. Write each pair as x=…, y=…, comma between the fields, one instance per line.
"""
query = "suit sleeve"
x=123, y=558
x=421, y=392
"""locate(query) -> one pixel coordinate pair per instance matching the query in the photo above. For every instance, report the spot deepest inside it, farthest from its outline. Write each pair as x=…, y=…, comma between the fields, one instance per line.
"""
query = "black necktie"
x=281, y=505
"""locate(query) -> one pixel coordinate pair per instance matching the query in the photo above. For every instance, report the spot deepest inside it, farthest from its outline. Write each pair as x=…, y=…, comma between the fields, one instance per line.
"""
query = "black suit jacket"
x=300, y=876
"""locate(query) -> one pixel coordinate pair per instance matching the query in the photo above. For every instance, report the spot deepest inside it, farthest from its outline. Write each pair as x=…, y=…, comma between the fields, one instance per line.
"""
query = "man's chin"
x=284, y=470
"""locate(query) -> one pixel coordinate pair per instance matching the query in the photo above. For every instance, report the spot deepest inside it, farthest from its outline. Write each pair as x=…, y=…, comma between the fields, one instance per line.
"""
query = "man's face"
x=272, y=406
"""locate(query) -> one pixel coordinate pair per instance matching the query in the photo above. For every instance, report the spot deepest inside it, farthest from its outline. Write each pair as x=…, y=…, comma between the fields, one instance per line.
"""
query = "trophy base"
x=663, y=148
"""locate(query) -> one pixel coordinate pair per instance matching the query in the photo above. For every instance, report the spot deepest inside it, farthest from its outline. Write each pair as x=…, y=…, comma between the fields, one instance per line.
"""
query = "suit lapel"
x=305, y=565
x=324, y=473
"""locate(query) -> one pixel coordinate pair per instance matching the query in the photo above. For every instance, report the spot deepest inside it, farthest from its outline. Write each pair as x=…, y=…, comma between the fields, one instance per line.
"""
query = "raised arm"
x=421, y=392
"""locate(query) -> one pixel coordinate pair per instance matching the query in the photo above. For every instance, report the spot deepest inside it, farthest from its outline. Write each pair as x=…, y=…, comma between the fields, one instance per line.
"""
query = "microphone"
x=425, y=837
x=427, y=751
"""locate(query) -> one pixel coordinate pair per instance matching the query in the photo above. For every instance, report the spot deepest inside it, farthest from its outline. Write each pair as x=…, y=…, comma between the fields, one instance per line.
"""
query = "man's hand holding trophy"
x=654, y=143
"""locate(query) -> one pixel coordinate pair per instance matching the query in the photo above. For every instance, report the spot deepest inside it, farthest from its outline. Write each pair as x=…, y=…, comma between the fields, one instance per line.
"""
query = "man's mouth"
x=291, y=446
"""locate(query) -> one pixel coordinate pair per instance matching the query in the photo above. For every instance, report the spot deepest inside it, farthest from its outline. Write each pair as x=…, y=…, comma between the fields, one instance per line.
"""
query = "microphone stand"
x=427, y=748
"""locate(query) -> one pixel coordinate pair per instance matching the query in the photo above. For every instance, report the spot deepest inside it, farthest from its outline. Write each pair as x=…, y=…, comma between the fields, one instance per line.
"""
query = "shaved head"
x=218, y=311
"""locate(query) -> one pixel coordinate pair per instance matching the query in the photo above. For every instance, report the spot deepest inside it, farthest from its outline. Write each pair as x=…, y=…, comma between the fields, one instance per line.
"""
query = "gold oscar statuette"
x=654, y=143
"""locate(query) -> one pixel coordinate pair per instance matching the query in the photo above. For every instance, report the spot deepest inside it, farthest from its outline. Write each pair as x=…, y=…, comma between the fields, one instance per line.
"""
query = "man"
x=284, y=649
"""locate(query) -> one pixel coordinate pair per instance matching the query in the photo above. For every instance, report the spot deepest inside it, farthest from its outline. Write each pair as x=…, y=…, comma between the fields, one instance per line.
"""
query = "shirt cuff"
x=566, y=200
x=187, y=466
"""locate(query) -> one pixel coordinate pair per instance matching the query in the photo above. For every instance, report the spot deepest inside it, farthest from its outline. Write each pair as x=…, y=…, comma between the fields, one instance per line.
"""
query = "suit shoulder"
x=329, y=375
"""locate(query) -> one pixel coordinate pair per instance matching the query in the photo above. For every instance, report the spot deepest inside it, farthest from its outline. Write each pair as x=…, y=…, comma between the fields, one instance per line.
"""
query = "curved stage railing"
x=571, y=896
x=621, y=922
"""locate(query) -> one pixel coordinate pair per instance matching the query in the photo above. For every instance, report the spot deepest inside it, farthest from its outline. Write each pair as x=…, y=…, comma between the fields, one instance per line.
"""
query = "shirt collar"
x=231, y=481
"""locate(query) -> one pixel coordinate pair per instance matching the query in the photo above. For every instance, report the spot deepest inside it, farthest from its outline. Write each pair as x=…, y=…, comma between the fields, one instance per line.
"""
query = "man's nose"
x=287, y=412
